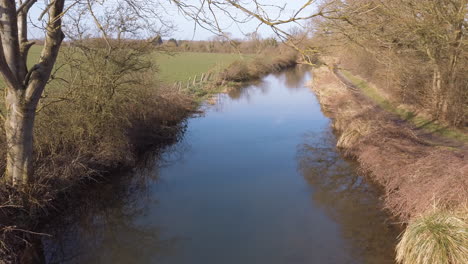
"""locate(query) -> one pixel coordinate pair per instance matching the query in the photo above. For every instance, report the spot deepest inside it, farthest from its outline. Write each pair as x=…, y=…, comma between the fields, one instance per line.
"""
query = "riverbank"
x=419, y=171
x=85, y=148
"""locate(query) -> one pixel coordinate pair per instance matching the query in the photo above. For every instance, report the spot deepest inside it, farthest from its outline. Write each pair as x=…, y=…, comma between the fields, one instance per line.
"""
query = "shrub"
x=438, y=237
x=243, y=70
x=238, y=71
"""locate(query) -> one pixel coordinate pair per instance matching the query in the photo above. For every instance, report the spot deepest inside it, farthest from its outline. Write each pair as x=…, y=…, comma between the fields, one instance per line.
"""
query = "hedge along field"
x=184, y=65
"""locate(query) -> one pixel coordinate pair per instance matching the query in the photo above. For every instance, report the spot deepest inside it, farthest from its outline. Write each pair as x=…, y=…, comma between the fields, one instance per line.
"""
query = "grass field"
x=176, y=66
x=182, y=66
x=173, y=67
x=34, y=54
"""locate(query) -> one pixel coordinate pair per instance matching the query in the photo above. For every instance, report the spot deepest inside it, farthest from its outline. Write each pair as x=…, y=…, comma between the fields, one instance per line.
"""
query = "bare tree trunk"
x=437, y=91
x=24, y=87
x=19, y=123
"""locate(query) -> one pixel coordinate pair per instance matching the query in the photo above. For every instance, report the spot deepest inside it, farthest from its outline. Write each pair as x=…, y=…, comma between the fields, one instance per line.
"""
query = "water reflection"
x=104, y=227
x=348, y=198
x=292, y=78
x=246, y=92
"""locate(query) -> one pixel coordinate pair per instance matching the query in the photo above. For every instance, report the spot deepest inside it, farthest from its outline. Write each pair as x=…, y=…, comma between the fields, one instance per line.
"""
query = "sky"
x=184, y=26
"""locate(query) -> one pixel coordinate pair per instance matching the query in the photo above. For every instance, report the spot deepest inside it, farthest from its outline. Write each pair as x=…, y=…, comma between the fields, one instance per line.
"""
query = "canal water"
x=255, y=179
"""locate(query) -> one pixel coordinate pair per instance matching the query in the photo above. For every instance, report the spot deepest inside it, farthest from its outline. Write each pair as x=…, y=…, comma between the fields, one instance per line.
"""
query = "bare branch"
x=24, y=7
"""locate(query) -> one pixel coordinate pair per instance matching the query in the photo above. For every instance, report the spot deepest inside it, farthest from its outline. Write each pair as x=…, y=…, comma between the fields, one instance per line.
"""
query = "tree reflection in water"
x=245, y=92
x=348, y=198
x=103, y=228
x=294, y=78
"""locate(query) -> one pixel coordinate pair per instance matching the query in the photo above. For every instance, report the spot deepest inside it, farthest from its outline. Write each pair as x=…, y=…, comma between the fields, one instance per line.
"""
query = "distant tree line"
x=253, y=44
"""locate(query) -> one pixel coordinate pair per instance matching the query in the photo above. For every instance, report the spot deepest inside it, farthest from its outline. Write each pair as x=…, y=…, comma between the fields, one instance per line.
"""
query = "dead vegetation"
x=414, y=170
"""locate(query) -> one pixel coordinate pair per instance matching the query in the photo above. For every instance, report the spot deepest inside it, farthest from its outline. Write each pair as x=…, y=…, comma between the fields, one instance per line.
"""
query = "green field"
x=33, y=57
x=182, y=66
x=176, y=66
x=173, y=67
x=34, y=54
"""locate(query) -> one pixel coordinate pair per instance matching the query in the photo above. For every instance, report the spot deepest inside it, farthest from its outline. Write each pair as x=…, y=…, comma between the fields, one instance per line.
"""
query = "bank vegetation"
x=396, y=88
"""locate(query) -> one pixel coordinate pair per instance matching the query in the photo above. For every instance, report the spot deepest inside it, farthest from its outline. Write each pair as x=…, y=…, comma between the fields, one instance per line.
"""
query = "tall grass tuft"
x=439, y=237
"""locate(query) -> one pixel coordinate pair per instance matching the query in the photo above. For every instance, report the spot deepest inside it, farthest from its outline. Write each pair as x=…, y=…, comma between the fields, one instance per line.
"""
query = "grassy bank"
x=414, y=116
x=415, y=170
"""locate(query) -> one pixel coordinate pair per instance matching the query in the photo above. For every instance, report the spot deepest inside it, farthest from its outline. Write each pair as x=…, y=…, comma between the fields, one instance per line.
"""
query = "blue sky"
x=185, y=26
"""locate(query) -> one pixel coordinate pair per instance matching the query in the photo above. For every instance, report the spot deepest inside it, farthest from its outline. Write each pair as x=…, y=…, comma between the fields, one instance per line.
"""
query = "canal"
x=255, y=179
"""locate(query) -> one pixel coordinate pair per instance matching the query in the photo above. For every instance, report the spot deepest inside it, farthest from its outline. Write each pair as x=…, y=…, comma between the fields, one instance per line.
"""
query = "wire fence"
x=194, y=82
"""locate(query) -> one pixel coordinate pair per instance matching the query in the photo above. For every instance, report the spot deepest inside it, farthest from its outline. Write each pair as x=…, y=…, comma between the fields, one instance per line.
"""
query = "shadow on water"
x=108, y=216
x=348, y=198
x=294, y=77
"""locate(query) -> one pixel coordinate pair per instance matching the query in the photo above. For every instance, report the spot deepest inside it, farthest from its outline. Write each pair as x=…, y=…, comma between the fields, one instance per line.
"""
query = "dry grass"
x=439, y=236
x=414, y=169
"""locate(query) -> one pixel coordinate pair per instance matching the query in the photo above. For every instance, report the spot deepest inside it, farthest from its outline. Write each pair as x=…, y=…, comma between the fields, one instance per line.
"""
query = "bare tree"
x=25, y=86
x=209, y=15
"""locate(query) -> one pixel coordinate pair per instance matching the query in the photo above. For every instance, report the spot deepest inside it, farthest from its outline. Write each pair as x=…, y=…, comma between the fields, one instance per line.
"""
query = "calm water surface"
x=255, y=179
